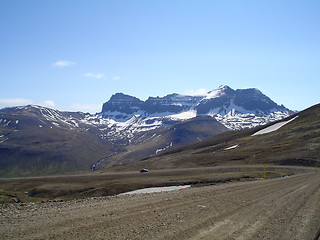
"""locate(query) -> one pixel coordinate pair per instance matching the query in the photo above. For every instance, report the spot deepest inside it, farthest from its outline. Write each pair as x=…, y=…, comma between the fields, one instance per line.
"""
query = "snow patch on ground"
x=163, y=149
x=232, y=147
x=273, y=127
x=4, y=140
x=155, y=189
x=56, y=124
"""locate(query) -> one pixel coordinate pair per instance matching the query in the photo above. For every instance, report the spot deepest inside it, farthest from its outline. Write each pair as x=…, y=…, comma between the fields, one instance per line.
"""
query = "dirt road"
x=286, y=208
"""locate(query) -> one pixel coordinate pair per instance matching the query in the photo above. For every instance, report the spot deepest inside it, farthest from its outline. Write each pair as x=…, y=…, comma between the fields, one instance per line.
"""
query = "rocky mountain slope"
x=159, y=140
x=36, y=140
x=291, y=141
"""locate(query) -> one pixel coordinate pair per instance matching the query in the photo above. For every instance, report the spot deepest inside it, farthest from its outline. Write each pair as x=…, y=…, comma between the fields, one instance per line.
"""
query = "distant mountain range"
x=35, y=140
x=236, y=109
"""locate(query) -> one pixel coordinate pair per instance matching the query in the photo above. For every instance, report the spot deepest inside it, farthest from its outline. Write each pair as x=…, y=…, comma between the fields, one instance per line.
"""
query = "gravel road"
x=286, y=208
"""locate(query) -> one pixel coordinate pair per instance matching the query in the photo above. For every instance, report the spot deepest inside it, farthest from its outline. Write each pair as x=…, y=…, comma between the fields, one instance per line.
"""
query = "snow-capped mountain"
x=236, y=109
x=38, y=140
x=122, y=107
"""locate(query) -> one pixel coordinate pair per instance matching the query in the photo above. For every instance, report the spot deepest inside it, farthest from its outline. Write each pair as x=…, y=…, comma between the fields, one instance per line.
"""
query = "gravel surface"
x=286, y=208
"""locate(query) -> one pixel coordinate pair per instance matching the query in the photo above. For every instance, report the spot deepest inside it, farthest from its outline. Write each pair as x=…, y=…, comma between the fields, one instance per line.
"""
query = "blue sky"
x=73, y=55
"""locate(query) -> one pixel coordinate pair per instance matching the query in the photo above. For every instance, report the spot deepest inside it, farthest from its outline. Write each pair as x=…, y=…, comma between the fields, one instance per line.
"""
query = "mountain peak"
x=220, y=91
x=121, y=103
x=224, y=87
x=124, y=97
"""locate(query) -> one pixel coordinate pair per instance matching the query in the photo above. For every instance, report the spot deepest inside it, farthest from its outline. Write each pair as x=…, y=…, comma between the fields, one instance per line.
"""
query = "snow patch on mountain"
x=163, y=149
x=2, y=141
x=237, y=121
x=273, y=127
x=184, y=115
x=232, y=147
x=216, y=93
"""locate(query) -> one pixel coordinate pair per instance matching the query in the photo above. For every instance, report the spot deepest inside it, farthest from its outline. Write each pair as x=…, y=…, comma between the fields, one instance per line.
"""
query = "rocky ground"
x=284, y=208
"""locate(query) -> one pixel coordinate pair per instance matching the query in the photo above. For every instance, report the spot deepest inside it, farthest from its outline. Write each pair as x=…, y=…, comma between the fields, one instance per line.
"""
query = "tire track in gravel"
x=237, y=226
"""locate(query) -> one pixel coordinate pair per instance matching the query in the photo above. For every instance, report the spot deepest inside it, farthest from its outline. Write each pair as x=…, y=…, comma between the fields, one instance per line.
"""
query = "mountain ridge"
x=222, y=103
x=38, y=140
